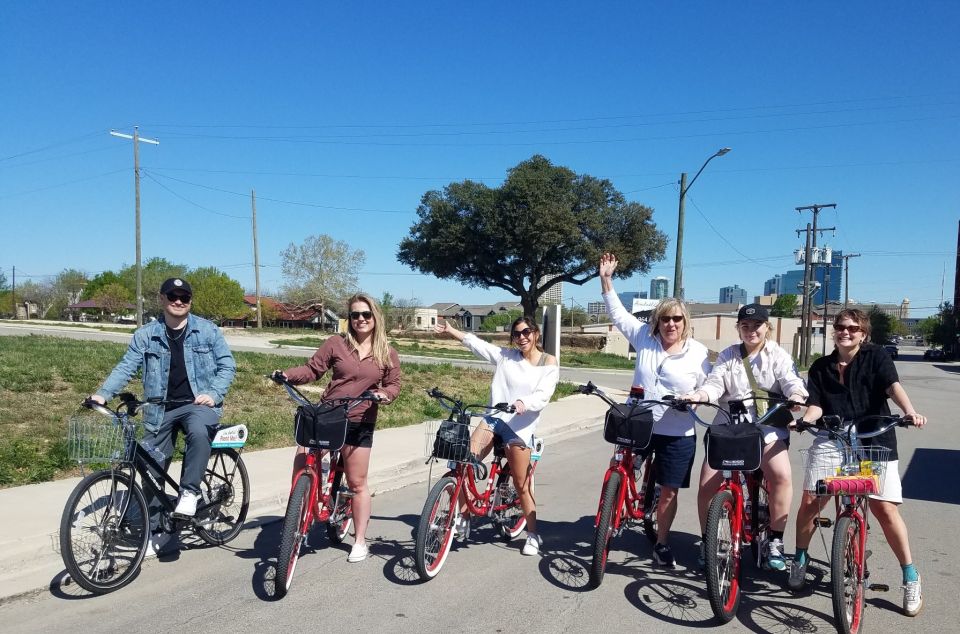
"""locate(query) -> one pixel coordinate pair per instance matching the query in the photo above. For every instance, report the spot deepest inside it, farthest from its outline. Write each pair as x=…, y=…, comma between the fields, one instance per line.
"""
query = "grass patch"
x=44, y=379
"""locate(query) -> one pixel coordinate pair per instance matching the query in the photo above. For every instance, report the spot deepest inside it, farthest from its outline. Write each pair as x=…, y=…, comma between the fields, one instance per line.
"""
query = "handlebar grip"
x=277, y=377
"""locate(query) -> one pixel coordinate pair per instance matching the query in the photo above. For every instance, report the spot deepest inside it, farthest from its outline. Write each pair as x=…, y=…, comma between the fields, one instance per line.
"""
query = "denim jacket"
x=210, y=366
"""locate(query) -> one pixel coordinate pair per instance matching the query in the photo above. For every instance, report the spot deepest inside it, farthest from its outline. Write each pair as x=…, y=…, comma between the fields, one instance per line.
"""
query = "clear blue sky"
x=342, y=116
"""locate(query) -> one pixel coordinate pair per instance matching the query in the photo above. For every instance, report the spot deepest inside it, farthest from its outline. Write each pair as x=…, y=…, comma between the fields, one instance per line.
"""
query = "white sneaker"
x=532, y=547
x=461, y=527
x=157, y=544
x=359, y=552
x=912, y=598
x=187, y=506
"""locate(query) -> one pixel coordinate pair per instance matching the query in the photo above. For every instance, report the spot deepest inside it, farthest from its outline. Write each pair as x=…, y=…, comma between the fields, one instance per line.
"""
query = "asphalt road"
x=487, y=585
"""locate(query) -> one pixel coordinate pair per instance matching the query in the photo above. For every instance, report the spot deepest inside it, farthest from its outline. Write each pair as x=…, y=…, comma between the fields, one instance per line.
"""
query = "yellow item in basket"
x=866, y=467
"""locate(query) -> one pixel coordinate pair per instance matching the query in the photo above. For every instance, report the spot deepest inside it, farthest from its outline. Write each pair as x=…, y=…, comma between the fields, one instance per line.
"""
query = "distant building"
x=627, y=298
x=599, y=308
x=774, y=286
x=553, y=295
x=791, y=281
x=659, y=288
x=733, y=295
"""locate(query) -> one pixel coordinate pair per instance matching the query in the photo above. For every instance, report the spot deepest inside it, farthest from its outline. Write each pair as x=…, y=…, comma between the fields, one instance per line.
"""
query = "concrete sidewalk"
x=29, y=535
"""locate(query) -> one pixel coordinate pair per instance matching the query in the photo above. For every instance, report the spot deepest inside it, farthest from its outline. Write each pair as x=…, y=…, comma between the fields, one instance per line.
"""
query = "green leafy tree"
x=574, y=317
x=785, y=306
x=40, y=294
x=101, y=280
x=6, y=304
x=386, y=307
x=320, y=272
x=115, y=299
x=945, y=333
x=500, y=320
x=543, y=226
x=928, y=326
x=4, y=284
x=154, y=272
x=216, y=295
x=881, y=325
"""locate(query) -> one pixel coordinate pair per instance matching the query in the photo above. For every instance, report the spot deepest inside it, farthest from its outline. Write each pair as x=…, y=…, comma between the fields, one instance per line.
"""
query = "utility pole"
x=808, y=269
x=13, y=293
x=256, y=256
x=846, y=277
x=804, y=296
x=136, y=179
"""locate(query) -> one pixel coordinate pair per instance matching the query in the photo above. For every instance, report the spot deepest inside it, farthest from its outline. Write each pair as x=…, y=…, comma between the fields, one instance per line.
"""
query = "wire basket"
x=94, y=438
x=450, y=440
x=846, y=470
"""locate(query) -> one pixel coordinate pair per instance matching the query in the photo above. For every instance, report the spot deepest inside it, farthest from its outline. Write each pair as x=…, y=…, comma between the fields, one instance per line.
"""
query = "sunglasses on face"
x=666, y=319
x=357, y=314
x=172, y=297
x=852, y=328
x=522, y=333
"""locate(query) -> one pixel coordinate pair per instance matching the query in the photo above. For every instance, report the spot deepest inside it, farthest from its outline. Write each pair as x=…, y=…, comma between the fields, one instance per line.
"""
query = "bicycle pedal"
x=879, y=587
x=823, y=522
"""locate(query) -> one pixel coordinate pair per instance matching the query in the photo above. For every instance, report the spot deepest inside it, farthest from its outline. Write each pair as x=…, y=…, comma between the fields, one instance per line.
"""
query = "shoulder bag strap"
x=760, y=405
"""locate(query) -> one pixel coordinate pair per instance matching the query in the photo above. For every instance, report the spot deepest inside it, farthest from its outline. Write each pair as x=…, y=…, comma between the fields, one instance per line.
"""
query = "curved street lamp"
x=684, y=188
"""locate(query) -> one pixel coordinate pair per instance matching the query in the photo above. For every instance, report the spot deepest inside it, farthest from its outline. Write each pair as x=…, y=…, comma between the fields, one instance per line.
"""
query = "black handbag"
x=452, y=441
x=321, y=426
x=734, y=447
x=628, y=425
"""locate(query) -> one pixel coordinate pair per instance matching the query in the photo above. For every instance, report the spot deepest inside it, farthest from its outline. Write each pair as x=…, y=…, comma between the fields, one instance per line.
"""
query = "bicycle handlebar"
x=348, y=401
x=590, y=388
x=838, y=428
x=457, y=406
x=132, y=404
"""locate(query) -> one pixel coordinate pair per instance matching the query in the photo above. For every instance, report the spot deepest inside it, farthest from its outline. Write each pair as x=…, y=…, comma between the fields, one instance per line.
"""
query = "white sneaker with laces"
x=533, y=544
x=359, y=552
x=157, y=544
x=461, y=527
x=187, y=506
x=775, y=560
x=912, y=598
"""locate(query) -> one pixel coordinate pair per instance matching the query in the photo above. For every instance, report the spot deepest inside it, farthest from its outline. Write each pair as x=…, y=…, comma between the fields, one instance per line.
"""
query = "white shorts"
x=823, y=457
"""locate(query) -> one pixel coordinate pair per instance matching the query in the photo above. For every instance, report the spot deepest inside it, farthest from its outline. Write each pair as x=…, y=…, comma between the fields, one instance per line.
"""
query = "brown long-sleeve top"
x=351, y=376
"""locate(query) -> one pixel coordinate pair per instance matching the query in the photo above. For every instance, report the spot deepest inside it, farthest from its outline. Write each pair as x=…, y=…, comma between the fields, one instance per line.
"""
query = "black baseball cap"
x=753, y=312
x=175, y=284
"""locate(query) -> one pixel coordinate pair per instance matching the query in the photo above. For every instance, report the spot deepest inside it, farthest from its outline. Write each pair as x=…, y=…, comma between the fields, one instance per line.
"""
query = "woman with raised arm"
x=854, y=381
x=756, y=363
x=525, y=377
x=359, y=360
x=669, y=361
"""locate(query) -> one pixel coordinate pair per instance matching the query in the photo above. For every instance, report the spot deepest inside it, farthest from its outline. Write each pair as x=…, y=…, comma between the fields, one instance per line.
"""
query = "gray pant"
x=197, y=422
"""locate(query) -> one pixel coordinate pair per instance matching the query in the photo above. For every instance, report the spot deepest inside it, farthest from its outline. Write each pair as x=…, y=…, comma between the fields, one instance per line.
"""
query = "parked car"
x=892, y=350
x=934, y=354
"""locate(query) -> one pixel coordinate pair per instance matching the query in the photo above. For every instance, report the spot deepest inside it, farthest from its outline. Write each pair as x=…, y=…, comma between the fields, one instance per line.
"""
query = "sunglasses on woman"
x=666, y=319
x=357, y=314
x=852, y=328
x=522, y=333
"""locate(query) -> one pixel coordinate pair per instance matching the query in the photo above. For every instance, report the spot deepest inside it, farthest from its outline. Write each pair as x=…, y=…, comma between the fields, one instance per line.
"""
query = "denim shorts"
x=506, y=433
x=672, y=459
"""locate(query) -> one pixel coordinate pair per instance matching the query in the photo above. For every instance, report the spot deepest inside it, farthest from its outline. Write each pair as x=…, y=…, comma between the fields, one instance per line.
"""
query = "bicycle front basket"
x=452, y=441
x=846, y=470
x=322, y=426
x=628, y=425
x=734, y=447
x=92, y=438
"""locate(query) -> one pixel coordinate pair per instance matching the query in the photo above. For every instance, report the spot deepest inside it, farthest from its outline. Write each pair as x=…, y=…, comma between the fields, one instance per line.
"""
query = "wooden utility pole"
x=816, y=209
x=846, y=277
x=256, y=256
x=13, y=294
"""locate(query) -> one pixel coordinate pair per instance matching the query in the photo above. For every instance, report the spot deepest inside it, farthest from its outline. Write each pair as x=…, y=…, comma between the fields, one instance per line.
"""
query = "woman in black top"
x=856, y=380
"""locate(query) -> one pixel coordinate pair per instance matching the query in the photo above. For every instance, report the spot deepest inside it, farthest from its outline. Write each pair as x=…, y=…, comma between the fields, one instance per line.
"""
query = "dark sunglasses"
x=179, y=296
x=522, y=333
x=674, y=318
x=357, y=314
x=852, y=328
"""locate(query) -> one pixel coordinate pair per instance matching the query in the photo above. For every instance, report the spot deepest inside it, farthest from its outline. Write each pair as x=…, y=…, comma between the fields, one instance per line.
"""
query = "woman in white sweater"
x=525, y=377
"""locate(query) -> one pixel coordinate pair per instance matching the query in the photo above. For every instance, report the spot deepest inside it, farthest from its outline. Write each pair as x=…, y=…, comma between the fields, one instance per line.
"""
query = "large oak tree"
x=544, y=220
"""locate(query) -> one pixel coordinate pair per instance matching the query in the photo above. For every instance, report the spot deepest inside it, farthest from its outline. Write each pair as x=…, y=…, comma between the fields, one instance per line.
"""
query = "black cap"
x=175, y=284
x=753, y=312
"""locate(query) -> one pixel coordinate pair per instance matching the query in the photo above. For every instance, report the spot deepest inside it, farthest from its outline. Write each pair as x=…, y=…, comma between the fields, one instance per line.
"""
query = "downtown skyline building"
x=790, y=282
x=733, y=295
x=659, y=288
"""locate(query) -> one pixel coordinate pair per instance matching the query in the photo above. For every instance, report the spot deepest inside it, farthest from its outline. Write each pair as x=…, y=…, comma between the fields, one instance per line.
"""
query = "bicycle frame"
x=630, y=498
x=321, y=491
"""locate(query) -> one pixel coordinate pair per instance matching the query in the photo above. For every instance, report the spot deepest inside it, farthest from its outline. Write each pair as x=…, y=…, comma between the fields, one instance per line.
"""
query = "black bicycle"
x=105, y=527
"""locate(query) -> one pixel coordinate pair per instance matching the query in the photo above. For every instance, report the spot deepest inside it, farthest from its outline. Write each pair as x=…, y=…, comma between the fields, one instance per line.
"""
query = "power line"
x=190, y=202
x=78, y=180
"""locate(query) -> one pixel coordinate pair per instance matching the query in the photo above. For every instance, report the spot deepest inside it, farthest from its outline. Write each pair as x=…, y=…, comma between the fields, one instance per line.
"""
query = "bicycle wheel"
x=341, y=517
x=296, y=524
x=510, y=520
x=722, y=558
x=651, y=496
x=603, y=533
x=435, y=531
x=760, y=522
x=227, y=486
x=846, y=562
x=104, y=531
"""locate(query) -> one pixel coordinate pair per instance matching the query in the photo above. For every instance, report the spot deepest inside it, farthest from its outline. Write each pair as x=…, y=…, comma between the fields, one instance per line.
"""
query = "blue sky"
x=341, y=117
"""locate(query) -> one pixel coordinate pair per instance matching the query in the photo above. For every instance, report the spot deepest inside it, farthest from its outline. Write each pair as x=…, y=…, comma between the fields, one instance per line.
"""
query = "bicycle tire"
x=296, y=524
x=227, y=486
x=603, y=533
x=760, y=522
x=435, y=530
x=103, y=552
x=651, y=498
x=722, y=560
x=510, y=520
x=846, y=561
x=341, y=516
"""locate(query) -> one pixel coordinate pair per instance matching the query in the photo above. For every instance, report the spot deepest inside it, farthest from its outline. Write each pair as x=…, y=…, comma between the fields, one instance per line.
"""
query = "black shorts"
x=359, y=435
x=673, y=459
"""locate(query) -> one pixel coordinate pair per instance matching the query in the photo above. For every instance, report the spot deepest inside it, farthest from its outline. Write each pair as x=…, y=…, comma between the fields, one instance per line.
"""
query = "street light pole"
x=684, y=188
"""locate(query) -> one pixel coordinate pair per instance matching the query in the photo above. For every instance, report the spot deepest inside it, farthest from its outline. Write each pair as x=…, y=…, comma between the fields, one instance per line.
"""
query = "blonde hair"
x=381, y=347
x=668, y=304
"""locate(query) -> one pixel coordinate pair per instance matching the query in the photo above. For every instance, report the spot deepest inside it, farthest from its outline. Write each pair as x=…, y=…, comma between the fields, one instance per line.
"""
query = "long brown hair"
x=381, y=347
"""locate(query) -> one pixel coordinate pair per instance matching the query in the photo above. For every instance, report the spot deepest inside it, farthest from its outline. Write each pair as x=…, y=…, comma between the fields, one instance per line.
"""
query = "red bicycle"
x=316, y=495
x=629, y=493
x=739, y=513
x=498, y=500
x=849, y=472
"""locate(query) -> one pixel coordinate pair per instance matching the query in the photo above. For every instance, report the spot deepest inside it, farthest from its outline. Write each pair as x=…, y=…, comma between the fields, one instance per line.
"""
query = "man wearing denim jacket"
x=183, y=358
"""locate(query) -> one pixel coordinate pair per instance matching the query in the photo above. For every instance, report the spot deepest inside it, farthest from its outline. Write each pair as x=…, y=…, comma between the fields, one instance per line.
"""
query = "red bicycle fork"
x=319, y=501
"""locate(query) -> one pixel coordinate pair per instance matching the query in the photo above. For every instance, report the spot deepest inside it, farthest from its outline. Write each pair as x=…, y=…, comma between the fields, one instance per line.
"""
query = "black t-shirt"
x=178, y=385
x=863, y=393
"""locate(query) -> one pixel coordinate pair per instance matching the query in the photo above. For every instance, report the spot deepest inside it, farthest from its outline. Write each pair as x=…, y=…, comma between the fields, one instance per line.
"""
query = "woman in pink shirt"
x=360, y=359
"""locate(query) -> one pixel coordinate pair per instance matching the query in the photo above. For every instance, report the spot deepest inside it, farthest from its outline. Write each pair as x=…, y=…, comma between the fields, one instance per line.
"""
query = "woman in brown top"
x=359, y=360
